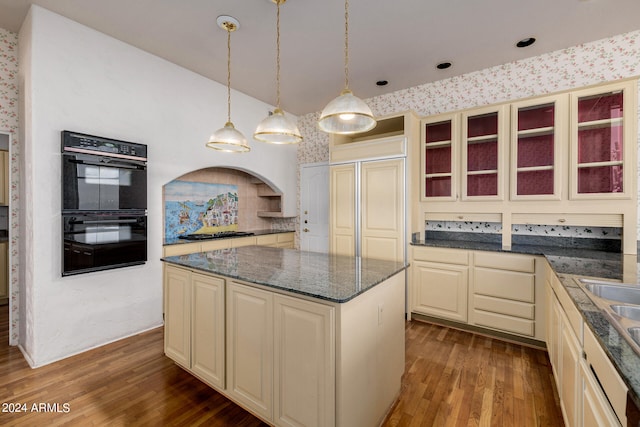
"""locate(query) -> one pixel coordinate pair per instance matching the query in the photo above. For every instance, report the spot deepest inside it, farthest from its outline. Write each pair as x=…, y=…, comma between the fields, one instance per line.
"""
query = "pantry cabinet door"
x=342, y=213
x=382, y=192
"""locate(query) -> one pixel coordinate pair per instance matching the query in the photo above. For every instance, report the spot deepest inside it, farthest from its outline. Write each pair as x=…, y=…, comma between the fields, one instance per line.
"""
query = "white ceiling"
x=400, y=41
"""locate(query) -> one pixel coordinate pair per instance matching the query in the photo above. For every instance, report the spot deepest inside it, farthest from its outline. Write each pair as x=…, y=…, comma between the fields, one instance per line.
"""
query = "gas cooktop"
x=210, y=236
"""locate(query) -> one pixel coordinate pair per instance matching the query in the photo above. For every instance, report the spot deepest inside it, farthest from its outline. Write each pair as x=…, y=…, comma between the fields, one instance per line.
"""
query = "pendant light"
x=347, y=113
x=277, y=128
x=228, y=138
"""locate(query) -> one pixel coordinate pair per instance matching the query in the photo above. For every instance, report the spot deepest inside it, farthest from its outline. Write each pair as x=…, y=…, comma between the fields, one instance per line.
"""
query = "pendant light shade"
x=347, y=113
x=277, y=128
x=228, y=139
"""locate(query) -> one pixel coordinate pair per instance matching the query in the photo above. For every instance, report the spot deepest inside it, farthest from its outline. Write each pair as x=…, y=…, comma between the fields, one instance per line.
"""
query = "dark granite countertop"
x=334, y=278
x=177, y=241
x=569, y=263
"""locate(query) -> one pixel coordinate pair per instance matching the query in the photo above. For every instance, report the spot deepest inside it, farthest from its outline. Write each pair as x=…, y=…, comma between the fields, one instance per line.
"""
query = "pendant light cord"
x=346, y=44
x=278, y=54
x=229, y=73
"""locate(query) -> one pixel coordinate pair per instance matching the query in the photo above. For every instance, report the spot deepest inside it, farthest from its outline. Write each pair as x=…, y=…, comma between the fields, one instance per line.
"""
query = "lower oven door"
x=101, y=241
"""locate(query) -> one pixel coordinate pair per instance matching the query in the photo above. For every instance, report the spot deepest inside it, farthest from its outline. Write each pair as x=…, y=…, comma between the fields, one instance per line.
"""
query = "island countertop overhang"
x=334, y=278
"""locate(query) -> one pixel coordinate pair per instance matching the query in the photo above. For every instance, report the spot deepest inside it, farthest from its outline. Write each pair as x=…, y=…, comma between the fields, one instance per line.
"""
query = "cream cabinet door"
x=441, y=290
x=342, y=213
x=596, y=411
x=552, y=332
x=208, y=326
x=250, y=348
x=571, y=392
x=603, y=141
x=304, y=370
x=382, y=209
x=177, y=315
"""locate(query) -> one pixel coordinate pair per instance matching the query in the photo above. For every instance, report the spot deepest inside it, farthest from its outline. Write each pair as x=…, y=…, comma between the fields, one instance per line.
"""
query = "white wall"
x=85, y=81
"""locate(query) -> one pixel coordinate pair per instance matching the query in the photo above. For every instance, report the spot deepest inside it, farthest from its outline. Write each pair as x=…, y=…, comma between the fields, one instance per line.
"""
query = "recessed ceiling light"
x=526, y=42
x=382, y=82
x=443, y=65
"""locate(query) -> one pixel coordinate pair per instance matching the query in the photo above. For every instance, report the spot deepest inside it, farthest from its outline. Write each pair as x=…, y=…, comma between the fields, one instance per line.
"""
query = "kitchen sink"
x=620, y=302
x=635, y=334
x=614, y=292
x=629, y=311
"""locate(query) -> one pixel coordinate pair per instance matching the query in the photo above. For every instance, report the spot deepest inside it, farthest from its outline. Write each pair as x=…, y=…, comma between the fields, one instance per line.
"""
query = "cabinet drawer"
x=505, y=284
x=181, y=249
x=602, y=220
x=243, y=241
x=285, y=237
x=523, y=310
x=504, y=323
x=214, y=245
x=444, y=255
x=522, y=263
x=606, y=374
x=267, y=240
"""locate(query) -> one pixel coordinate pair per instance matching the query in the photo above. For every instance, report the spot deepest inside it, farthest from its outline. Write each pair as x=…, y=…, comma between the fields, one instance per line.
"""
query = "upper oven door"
x=99, y=183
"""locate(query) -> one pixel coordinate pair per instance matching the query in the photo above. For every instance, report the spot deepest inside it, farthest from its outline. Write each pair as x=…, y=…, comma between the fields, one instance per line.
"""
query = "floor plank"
x=452, y=378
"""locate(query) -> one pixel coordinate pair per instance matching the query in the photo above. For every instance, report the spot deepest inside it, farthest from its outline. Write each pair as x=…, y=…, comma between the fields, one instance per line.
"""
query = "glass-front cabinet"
x=439, y=157
x=536, y=147
x=601, y=122
x=483, y=141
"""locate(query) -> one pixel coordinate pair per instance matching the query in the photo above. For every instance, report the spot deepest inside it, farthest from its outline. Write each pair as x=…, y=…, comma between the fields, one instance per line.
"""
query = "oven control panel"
x=82, y=143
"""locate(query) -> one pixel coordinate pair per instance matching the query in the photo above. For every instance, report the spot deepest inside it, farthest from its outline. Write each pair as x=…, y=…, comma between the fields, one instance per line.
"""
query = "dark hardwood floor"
x=452, y=378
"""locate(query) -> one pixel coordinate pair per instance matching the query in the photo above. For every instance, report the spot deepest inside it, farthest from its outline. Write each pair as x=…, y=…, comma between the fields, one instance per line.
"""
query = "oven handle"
x=109, y=163
x=115, y=221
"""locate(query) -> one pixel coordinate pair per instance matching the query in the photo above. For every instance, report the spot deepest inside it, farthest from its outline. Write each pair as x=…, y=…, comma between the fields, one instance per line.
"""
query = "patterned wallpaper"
x=9, y=123
x=587, y=64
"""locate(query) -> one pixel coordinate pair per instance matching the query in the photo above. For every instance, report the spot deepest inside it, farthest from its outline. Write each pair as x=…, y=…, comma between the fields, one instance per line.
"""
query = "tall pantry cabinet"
x=369, y=192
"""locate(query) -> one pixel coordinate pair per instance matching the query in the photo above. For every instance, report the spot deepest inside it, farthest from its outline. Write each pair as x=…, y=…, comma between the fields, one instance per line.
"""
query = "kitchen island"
x=296, y=338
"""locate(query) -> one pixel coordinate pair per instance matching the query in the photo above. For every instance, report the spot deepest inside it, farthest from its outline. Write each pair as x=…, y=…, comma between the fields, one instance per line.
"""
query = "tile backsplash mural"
x=199, y=207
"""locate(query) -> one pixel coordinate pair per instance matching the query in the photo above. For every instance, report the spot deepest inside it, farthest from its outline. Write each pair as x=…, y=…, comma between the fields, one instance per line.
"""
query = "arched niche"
x=259, y=201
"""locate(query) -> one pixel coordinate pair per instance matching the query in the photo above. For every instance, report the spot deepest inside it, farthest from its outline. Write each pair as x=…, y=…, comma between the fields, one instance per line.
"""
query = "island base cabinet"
x=304, y=369
x=291, y=361
x=370, y=354
x=250, y=347
x=194, y=323
x=177, y=312
x=281, y=357
x=208, y=323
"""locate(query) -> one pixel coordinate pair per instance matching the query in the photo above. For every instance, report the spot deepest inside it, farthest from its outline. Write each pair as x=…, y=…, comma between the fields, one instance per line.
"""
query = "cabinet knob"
x=460, y=217
x=562, y=220
x=306, y=230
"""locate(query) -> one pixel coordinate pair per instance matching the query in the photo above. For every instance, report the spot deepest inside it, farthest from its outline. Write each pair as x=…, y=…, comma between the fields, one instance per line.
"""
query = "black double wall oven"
x=104, y=203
